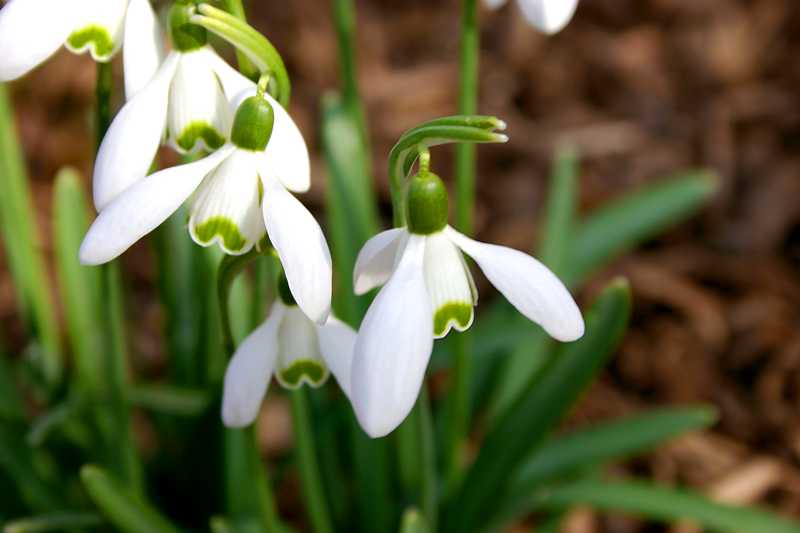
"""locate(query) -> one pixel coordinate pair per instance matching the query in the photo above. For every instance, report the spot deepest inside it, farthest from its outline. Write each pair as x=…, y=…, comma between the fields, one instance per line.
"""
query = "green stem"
x=103, y=89
x=313, y=491
x=344, y=16
x=246, y=67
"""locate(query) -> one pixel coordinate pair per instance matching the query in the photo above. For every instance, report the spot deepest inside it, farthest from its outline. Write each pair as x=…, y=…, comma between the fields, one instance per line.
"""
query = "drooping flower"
x=187, y=103
x=429, y=290
x=548, y=16
x=240, y=193
x=33, y=30
x=294, y=349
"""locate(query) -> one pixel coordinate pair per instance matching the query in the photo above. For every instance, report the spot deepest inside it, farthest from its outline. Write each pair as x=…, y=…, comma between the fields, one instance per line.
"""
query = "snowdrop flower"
x=33, y=30
x=429, y=290
x=293, y=348
x=187, y=103
x=240, y=193
x=549, y=16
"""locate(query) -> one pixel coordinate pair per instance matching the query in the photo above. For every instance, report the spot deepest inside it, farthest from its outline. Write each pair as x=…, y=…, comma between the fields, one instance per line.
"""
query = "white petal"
x=302, y=248
x=226, y=209
x=393, y=347
x=448, y=284
x=548, y=16
x=233, y=82
x=494, y=4
x=99, y=28
x=299, y=358
x=287, y=154
x=200, y=115
x=130, y=145
x=530, y=287
x=249, y=371
x=377, y=259
x=144, y=206
x=143, y=50
x=336, y=342
x=30, y=32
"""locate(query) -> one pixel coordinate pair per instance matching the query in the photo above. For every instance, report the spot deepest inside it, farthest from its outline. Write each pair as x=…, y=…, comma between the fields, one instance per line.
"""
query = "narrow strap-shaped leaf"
x=165, y=399
x=524, y=427
x=54, y=522
x=663, y=504
x=121, y=507
x=413, y=522
x=19, y=463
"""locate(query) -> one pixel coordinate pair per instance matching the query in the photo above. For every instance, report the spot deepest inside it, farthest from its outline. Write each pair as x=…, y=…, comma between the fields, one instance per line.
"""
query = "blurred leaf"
x=546, y=400
x=18, y=228
x=663, y=504
x=413, y=522
x=53, y=522
x=166, y=399
x=123, y=509
x=633, y=219
x=79, y=285
x=11, y=406
x=19, y=463
x=586, y=448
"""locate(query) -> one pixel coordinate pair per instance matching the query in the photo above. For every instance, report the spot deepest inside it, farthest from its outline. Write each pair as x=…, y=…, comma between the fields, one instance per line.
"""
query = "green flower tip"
x=223, y=230
x=252, y=127
x=426, y=204
x=452, y=315
x=186, y=36
x=94, y=38
x=308, y=371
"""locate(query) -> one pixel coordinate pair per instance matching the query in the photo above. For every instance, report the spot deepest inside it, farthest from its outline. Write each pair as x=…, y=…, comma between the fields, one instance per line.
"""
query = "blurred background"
x=643, y=89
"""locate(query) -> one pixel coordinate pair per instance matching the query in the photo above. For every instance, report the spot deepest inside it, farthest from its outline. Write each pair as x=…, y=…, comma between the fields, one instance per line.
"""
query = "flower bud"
x=426, y=204
x=185, y=35
x=252, y=126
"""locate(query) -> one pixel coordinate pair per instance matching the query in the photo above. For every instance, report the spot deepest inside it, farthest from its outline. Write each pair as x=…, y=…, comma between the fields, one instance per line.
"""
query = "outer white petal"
x=130, y=145
x=30, y=32
x=377, y=258
x=302, y=248
x=226, y=209
x=393, y=347
x=249, y=371
x=106, y=16
x=233, y=82
x=287, y=154
x=200, y=115
x=141, y=208
x=530, y=287
x=336, y=342
x=143, y=50
x=448, y=284
x=494, y=4
x=299, y=358
x=548, y=16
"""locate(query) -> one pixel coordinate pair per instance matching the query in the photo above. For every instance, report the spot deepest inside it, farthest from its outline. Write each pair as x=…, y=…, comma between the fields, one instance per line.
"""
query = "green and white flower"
x=33, y=30
x=548, y=16
x=429, y=290
x=293, y=348
x=240, y=193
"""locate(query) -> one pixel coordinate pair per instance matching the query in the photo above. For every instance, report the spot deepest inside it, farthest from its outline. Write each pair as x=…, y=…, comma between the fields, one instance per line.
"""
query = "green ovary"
x=196, y=131
x=456, y=313
x=95, y=37
x=304, y=369
x=224, y=228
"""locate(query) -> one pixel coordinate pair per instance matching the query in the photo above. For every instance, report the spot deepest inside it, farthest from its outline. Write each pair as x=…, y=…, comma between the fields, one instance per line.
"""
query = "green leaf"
x=20, y=463
x=22, y=243
x=170, y=400
x=413, y=522
x=663, y=504
x=547, y=399
x=11, y=406
x=121, y=507
x=53, y=522
x=633, y=219
x=572, y=453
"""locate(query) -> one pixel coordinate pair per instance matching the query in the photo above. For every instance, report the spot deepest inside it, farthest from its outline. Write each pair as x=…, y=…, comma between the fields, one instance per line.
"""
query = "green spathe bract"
x=426, y=204
x=303, y=370
x=222, y=228
x=252, y=126
x=92, y=37
x=457, y=314
x=185, y=36
x=196, y=131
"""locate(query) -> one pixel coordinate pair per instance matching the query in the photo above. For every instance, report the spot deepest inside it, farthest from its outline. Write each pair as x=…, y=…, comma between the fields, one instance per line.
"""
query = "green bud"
x=252, y=126
x=284, y=293
x=185, y=35
x=426, y=204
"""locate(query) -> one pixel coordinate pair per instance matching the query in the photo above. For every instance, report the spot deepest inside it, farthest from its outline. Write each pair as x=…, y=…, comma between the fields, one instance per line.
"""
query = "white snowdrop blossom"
x=294, y=349
x=33, y=30
x=548, y=16
x=188, y=104
x=429, y=290
x=240, y=193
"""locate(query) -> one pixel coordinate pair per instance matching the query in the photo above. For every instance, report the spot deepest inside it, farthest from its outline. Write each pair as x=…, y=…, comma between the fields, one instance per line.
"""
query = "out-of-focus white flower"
x=293, y=348
x=32, y=30
x=429, y=290
x=548, y=16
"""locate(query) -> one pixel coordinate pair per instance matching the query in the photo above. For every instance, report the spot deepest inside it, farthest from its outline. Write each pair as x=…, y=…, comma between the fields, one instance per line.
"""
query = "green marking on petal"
x=454, y=314
x=223, y=228
x=95, y=38
x=197, y=131
x=303, y=371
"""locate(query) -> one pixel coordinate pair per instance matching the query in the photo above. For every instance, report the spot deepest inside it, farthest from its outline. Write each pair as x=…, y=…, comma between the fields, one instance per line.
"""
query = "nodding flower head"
x=548, y=16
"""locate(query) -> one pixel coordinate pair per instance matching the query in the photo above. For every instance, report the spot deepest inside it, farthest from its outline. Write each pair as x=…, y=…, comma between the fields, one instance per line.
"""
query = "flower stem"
x=246, y=67
x=458, y=406
x=103, y=88
x=313, y=491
